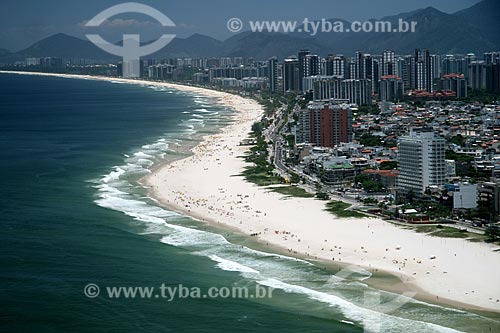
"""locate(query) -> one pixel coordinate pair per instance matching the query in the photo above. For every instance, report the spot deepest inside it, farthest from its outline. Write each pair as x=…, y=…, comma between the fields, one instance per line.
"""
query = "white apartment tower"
x=421, y=158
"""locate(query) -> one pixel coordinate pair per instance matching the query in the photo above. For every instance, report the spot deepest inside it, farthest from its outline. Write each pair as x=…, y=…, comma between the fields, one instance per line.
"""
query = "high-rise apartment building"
x=335, y=66
x=312, y=65
x=456, y=83
x=291, y=75
x=388, y=63
x=421, y=158
x=325, y=124
x=391, y=88
x=477, y=75
x=422, y=70
x=356, y=91
x=273, y=74
x=302, y=66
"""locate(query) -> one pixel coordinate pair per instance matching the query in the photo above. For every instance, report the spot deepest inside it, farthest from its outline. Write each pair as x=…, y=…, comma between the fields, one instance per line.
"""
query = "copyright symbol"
x=91, y=290
x=234, y=24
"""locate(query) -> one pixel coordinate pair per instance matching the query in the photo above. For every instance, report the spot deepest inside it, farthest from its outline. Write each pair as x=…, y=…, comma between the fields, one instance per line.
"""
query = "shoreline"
x=207, y=187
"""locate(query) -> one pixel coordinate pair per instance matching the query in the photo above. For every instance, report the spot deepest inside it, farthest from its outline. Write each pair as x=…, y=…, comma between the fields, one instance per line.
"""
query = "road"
x=273, y=134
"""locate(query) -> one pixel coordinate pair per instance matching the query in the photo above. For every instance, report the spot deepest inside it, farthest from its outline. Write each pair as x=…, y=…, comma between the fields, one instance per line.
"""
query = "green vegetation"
x=451, y=155
x=370, y=140
x=493, y=233
x=448, y=232
x=481, y=96
x=292, y=191
x=388, y=165
x=464, y=165
x=432, y=208
x=458, y=139
x=290, y=139
x=441, y=231
x=261, y=172
x=294, y=178
x=485, y=211
x=270, y=104
x=370, y=201
x=370, y=185
x=291, y=102
x=254, y=175
x=369, y=109
x=339, y=209
x=322, y=196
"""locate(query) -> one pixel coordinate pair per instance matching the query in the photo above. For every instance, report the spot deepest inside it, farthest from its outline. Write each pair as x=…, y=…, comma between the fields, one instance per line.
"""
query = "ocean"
x=73, y=213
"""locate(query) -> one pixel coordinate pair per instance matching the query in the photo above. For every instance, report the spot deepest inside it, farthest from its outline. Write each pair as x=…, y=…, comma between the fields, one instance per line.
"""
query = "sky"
x=23, y=22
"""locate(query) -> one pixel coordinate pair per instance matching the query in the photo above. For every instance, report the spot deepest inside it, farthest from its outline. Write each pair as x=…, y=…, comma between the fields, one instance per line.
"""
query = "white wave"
x=134, y=167
x=142, y=155
x=233, y=266
x=112, y=194
x=130, y=206
x=183, y=236
x=143, y=161
x=113, y=175
x=110, y=190
x=370, y=319
x=275, y=255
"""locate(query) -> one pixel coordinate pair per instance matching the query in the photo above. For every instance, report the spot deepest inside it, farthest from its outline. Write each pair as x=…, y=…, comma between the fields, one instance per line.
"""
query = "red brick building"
x=325, y=124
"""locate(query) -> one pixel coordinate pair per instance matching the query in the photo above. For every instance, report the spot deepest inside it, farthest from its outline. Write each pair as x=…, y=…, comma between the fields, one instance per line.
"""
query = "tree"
x=458, y=139
x=322, y=196
x=388, y=165
x=370, y=140
x=410, y=196
x=369, y=185
x=493, y=233
x=369, y=109
x=295, y=179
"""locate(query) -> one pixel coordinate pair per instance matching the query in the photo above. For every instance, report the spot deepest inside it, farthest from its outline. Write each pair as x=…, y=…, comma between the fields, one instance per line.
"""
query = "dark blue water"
x=71, y=152
x=56, y=135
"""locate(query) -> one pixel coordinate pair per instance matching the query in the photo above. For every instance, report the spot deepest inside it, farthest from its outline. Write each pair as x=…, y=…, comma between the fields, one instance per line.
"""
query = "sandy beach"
x=207, y=186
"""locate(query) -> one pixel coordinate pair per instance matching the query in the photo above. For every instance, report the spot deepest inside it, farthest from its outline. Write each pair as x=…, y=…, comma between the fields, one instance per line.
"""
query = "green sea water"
x=73, y=214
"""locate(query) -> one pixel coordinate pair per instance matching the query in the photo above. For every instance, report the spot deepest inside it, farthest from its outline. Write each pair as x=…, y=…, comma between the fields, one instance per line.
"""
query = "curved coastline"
x=207, y=186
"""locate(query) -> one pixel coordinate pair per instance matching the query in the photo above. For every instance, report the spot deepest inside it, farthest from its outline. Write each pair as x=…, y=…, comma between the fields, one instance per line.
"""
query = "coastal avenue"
x=275, y=134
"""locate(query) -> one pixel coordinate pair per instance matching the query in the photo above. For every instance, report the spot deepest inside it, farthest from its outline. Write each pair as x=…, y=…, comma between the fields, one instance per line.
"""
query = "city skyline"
x=296, y=173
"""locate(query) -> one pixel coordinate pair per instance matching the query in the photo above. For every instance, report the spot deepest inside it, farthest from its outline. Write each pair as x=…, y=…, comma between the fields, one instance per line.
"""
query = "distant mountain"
x=435, y=30
x=65, y=46
x=4, y=52
x=404, y=16
x=194, y=46
x=475, y=29
x=265, y=45
x=484, y=16
x=7, y=57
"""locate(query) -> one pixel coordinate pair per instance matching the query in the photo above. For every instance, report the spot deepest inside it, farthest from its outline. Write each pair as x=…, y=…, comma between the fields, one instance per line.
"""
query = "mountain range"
x=475, y=29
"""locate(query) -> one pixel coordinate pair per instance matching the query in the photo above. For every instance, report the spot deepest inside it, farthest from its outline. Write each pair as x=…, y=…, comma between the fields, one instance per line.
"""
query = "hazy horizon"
x=22, y=23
